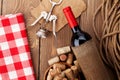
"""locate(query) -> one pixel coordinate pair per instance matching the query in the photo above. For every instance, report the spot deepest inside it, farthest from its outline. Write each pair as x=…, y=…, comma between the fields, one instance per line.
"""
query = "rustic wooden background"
x=41, y=49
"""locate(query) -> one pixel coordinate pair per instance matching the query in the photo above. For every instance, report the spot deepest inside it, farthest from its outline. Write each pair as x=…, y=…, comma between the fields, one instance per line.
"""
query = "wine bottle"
x=79, y=36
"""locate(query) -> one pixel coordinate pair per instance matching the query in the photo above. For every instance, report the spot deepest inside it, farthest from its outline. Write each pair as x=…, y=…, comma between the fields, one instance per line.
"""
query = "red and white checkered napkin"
x=15, y=59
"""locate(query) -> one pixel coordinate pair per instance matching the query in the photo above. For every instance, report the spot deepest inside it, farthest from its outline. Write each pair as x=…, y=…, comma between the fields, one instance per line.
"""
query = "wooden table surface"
x=43, y=49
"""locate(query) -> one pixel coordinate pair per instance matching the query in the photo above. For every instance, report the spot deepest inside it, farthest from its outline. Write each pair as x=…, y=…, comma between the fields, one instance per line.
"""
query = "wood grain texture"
x=48, y=49
x=1, y=7
x=44, y=49
x=64, y=36
x=86, y=19
x=25, y=6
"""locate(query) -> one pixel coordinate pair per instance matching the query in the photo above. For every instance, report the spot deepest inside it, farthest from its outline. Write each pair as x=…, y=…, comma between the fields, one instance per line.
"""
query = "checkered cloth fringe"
x=15, y=59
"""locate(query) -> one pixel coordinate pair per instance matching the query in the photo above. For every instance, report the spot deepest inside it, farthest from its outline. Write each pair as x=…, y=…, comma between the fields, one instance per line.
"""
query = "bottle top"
x=70, y=17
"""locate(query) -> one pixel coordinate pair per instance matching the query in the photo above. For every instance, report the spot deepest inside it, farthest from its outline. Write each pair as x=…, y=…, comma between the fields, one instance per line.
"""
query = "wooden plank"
x=64, y=35
x=86, y=19
x=47, y=48
x=34, y=44
x=25, y=6
x=0, y=7
x=86, y=22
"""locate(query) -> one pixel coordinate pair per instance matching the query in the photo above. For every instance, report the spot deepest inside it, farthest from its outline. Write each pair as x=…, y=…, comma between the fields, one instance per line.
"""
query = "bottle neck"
x=71, y=20
x=76, y=29
x=70, y=17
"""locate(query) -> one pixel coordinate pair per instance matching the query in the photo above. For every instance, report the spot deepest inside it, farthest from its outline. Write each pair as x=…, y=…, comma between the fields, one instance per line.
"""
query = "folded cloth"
x=15, y=59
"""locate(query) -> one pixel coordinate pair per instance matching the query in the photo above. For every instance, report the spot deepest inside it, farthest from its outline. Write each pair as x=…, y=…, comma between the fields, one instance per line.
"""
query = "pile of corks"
x=64, y=66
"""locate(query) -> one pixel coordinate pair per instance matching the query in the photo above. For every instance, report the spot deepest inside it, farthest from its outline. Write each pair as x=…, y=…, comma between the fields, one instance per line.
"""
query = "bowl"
x=46, y=72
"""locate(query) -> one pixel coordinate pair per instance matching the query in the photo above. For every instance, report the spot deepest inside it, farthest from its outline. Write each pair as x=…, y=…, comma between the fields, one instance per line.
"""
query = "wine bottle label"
x=90, y=62
x=70, y=17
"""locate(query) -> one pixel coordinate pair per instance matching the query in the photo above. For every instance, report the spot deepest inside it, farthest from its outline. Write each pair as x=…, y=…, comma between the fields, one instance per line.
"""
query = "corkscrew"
x=48, y=17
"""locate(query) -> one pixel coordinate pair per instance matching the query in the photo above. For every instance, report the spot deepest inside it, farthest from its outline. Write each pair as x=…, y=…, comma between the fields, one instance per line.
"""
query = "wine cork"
x=69, y=74
x=58, y=70
x=53, y=60
x=63, y=74
x=75, y=71
x=77, y=79
x=59, y=65
x=49, y=76
x=58, y=77
x=77, y=64
x=70, y=58
x=63, y=57
x=64, y=79
x=55, y=71
x=63, y=50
